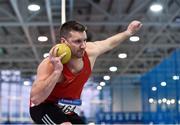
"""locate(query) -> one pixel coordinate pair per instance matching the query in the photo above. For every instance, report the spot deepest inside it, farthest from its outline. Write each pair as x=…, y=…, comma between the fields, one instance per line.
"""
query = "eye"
x=77, y=41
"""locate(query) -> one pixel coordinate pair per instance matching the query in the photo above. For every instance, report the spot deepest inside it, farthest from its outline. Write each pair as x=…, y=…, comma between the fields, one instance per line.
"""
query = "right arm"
x=48, y=74
x=44, y=83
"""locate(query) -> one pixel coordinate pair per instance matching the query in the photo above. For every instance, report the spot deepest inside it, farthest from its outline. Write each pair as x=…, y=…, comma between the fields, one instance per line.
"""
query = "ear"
x=63, y=40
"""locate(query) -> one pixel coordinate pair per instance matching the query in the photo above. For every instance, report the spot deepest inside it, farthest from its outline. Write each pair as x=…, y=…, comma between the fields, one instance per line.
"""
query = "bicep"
x=98, y=47
x=44, y=71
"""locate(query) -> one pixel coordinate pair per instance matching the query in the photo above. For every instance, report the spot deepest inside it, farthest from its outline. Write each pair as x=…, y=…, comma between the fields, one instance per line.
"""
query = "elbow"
x=35, y=101
x=35, y=97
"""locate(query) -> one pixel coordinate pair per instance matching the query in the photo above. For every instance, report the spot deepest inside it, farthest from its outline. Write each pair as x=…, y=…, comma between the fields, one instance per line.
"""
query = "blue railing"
x=137, y=117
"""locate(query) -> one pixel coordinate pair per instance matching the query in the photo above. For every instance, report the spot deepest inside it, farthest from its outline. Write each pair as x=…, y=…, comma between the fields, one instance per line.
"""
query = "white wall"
x=126, y=94
x=126, y=98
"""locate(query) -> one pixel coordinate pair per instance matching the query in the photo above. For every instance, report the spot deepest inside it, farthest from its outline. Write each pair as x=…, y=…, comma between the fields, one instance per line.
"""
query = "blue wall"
x=162, y=106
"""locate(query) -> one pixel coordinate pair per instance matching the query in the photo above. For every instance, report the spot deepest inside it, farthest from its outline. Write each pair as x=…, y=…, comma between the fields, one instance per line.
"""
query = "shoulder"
x=44, y=69
x=95, y=48
x=45, y=64
x=91, y=48
x=45, y=61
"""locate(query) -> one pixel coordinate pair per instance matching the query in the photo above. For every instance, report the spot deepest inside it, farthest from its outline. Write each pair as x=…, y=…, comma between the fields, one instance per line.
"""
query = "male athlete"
x=56, y=91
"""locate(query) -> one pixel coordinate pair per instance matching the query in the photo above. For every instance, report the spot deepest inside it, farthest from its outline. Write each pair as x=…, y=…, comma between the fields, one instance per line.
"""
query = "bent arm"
x=45, y=82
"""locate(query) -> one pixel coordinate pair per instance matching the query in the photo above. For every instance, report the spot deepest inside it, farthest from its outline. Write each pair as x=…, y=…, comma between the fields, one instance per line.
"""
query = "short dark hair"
x=71, y=26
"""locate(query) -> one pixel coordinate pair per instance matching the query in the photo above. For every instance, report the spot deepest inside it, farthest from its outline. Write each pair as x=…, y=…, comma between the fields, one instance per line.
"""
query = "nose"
x=83, y=45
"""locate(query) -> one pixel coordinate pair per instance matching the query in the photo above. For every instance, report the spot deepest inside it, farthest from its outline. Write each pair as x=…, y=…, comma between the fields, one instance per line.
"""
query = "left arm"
x=97, y=48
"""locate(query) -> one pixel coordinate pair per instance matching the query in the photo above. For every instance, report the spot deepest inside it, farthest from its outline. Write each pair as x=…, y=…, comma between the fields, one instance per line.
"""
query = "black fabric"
x=45, y=111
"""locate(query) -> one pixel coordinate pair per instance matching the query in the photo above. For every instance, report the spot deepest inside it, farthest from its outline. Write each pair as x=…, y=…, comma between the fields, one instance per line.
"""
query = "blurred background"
x=135, y=83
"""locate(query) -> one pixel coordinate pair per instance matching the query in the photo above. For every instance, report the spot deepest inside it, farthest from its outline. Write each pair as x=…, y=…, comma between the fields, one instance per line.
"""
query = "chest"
x=73, y=69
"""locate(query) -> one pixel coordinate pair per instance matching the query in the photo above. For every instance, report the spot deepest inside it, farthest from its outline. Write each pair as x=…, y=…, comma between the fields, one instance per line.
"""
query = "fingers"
x=62, y=55
x=53, y=55
x=56, y=59
x=53, y=51
x=138, y=24
x=134, y=26
x=50, y=56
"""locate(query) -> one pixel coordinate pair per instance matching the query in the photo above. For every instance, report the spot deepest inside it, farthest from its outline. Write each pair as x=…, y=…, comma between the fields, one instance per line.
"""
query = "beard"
x=79, y=54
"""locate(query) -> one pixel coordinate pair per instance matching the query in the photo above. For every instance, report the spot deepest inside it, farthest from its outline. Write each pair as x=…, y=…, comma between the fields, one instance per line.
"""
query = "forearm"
x=115, y=40
x=41, y=91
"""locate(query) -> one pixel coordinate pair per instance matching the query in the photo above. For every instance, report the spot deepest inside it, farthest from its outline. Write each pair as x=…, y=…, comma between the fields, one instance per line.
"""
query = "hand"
x=56, y=61
x=53, y=50
x=133, y=27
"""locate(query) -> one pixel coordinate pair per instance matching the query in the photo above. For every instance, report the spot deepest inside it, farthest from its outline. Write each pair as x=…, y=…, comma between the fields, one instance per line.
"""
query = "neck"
x=75, y=65
x=74, y=60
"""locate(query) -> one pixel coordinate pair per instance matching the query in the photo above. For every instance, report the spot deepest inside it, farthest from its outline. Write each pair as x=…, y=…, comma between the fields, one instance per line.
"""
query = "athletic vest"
x=72, y=85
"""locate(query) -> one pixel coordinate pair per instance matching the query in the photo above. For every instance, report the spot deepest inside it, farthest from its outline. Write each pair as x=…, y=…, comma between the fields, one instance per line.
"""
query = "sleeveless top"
x=72, y=85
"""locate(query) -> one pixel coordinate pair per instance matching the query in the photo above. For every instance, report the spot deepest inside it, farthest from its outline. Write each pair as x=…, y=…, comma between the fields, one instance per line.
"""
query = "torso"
x=75, y=68
x=77, y=65
x=72, y=82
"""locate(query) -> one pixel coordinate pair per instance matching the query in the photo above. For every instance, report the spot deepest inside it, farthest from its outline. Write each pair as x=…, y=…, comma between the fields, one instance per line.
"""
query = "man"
x=57, y=88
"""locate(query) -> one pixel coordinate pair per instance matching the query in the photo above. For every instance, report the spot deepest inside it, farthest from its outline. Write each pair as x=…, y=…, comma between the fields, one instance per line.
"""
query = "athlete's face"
x=77, y=43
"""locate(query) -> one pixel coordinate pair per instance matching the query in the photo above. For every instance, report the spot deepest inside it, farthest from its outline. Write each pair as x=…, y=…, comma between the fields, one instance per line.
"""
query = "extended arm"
x=99, y=47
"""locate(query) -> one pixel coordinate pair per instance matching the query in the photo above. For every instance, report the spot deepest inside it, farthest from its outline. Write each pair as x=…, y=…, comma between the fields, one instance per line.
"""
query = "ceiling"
x=20, y=28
